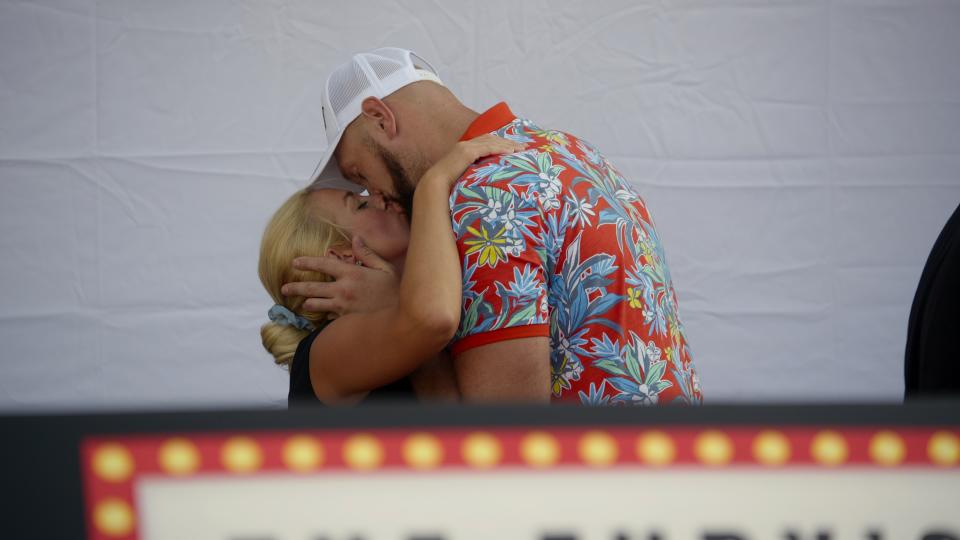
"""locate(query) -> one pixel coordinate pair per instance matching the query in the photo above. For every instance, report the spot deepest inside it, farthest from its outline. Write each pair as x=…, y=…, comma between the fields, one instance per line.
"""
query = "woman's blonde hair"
x=295, y=230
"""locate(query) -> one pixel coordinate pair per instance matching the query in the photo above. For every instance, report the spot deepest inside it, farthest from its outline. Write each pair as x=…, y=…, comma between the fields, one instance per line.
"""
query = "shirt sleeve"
x=500, y=235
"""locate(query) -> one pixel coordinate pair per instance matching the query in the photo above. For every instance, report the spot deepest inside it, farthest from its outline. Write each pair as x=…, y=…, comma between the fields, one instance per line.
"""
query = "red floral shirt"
x=555, y=242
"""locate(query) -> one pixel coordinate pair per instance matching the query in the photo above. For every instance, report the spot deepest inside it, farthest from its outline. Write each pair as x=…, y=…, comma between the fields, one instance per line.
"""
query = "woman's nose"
x=378, y=200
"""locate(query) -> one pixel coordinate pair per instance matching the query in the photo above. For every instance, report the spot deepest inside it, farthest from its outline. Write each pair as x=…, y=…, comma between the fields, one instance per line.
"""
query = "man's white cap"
x=377, y=73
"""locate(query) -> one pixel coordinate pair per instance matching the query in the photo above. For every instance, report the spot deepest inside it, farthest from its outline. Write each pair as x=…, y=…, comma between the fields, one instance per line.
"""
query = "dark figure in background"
x=932, y=365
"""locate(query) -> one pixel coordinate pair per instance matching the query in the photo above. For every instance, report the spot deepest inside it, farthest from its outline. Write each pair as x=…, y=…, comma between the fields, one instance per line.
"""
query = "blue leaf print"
x=595, y=395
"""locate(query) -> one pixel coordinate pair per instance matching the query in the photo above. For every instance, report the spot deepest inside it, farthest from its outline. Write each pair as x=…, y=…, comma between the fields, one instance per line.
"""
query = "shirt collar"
x=492, y=119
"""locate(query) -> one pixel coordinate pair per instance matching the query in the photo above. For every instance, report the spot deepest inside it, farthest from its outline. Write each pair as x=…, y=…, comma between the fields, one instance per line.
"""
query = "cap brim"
x=327, y=175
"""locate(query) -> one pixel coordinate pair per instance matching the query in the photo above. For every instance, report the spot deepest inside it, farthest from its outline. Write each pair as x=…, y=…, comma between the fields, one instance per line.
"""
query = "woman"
x=369, y=347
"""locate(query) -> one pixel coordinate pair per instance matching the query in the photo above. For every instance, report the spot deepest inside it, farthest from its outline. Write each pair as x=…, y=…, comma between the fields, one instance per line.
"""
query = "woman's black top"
x=301, y=390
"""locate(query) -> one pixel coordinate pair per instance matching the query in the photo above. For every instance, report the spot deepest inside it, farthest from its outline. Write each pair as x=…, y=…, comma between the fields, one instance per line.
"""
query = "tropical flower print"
x=581, y=210
x=489, y=244
x=634, y=294
x=637, y=370
x=594, y=395
x=554, y=241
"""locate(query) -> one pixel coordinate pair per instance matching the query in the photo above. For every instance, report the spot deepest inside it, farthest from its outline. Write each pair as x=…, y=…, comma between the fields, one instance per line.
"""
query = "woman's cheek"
x=401, y=231
x=387, y=238
x=397, y=237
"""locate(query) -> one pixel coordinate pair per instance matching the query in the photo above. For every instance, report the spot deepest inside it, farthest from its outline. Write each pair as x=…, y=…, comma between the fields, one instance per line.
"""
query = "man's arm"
x=516, y=370
x=435, y=381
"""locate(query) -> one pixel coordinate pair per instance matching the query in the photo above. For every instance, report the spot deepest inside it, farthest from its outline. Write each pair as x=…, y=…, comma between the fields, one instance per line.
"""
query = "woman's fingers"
x=487, y=145
x=452, y=165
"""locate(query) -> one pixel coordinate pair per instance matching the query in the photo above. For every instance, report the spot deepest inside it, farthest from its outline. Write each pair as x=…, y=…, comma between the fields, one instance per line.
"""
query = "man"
x=567, y=295
x=933, y=346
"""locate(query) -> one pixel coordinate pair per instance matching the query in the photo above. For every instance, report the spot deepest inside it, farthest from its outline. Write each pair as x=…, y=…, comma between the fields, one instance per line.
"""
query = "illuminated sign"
x=561, y=483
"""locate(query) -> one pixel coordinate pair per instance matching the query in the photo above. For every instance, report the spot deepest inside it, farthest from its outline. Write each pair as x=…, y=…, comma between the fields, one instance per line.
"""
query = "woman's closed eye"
x=363, y=205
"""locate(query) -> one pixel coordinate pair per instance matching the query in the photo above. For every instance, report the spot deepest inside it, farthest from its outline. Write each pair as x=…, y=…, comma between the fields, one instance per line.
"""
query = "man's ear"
x=380, y=116
x=344, y=253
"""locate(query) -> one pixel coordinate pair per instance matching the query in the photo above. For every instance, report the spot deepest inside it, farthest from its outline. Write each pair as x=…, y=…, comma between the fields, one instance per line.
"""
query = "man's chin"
x=396, y=207
x=402, y=203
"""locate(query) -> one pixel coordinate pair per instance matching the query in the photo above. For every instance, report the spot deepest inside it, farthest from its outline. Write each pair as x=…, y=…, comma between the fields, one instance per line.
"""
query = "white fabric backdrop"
x=799, y=158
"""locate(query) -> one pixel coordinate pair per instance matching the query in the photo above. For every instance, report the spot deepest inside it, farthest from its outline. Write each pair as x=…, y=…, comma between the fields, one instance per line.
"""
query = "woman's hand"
x=356, y=288
x=464, y=153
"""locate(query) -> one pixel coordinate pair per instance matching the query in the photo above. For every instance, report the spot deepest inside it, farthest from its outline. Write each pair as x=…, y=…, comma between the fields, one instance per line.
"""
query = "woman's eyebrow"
x=346, y=196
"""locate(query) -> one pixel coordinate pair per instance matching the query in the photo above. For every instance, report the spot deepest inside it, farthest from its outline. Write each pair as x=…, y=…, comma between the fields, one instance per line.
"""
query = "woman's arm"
x=361, y=351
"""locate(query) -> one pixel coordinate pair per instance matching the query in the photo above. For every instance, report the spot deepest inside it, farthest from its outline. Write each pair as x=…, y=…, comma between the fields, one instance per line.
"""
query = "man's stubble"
x=402, y=177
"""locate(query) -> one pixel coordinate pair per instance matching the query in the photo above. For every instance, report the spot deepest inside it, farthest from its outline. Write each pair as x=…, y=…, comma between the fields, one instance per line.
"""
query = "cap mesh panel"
x=383, y=67
x=345, y=85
